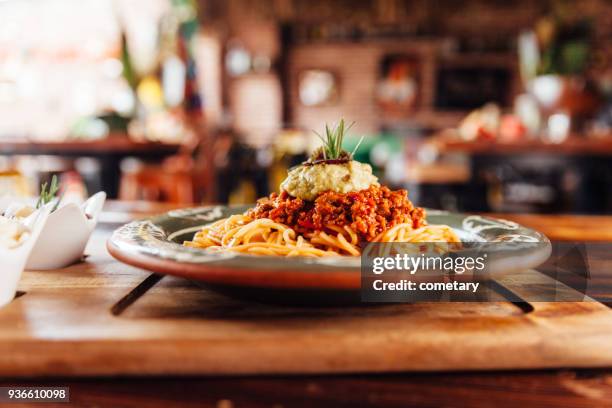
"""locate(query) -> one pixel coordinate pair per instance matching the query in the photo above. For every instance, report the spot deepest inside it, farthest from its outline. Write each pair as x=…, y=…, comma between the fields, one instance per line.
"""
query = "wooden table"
x=109, y=151
x=567, y=387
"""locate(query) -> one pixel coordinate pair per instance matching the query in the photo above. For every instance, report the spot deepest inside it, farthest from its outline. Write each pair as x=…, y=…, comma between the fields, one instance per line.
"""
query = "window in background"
x=60, y=60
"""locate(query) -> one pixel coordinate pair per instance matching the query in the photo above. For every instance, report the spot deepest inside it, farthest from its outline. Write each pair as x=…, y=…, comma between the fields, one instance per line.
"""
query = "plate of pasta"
x=306, y=237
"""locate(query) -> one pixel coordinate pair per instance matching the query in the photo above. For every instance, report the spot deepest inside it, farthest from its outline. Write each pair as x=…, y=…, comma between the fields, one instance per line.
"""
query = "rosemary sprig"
x=357, y=146
x=332, y=143
x=46, y=196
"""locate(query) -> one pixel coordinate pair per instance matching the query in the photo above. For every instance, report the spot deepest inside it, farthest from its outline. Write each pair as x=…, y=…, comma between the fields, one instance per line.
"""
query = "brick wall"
x=357, y=67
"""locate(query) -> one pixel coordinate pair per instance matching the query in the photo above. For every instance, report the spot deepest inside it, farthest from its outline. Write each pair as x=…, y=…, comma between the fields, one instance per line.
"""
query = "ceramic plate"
x=155, y=244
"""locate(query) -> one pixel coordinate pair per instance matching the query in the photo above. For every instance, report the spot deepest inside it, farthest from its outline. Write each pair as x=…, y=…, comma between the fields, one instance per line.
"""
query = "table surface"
x=568, y=388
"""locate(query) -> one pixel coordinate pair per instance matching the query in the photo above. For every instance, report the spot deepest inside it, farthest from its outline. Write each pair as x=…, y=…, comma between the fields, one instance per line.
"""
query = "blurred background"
x=472, y=105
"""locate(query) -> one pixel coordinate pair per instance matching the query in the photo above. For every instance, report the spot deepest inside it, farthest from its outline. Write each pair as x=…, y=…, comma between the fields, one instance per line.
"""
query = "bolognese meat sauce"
x=368, y=212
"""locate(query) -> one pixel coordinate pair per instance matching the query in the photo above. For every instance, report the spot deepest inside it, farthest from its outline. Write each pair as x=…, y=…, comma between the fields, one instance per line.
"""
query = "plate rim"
x=288, y=272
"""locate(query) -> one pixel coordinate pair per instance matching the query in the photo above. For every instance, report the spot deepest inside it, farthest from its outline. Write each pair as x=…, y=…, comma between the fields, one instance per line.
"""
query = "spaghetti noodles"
x=263, y=236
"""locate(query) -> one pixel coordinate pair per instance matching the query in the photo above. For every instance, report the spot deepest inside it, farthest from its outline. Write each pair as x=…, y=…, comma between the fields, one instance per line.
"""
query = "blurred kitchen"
x=471, y=105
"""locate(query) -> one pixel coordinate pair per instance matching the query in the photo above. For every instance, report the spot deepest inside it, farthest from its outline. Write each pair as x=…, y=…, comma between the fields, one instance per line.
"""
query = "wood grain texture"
x=63, y=326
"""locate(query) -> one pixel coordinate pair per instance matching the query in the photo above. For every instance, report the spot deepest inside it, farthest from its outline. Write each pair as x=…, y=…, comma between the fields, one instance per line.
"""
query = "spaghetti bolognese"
x=330, y=205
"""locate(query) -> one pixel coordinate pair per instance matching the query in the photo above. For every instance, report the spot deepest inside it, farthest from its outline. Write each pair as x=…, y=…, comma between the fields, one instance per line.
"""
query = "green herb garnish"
x=46, y=196
x=332, y=144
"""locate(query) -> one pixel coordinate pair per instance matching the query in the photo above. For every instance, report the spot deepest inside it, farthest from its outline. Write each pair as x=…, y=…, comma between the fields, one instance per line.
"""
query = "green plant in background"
x=187, y=13
x=564, y=41
x=128, y=71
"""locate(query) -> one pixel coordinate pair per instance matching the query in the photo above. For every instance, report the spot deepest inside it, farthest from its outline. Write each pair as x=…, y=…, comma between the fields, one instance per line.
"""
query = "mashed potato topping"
x=308, y=181
x=12, y=232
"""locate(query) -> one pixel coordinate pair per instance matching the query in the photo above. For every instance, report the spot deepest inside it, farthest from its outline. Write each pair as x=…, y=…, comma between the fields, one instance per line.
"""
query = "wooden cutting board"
x=62, y=326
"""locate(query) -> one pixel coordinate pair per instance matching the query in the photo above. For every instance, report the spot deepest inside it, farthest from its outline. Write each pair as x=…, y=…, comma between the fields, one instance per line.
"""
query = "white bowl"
x=14, y=259
x=65, y=234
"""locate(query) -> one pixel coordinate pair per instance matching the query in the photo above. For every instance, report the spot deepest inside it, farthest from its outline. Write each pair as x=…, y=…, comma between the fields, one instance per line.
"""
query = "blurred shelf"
x=423, y=118
x=438, y=173
x=575, y=145
x=113, y=144
x=480, y=59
